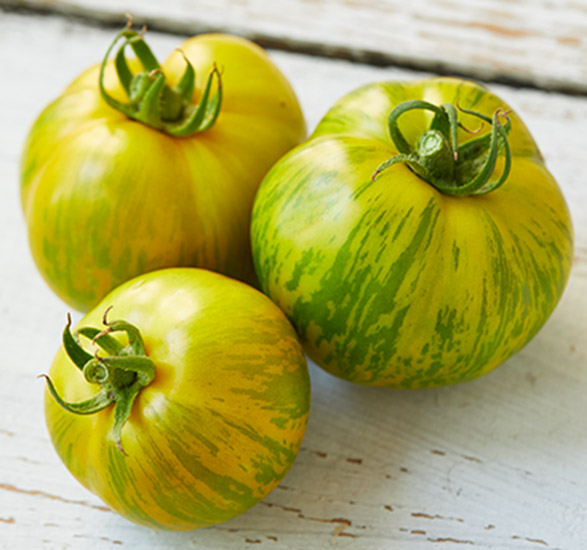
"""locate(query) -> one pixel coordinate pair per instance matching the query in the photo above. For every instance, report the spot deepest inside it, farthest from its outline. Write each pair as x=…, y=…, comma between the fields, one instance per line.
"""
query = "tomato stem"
x=453, y=169
x=151, y=101
x=121, y=374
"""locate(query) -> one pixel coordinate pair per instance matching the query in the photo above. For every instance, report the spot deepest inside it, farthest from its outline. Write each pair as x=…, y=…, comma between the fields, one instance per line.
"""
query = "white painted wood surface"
x=498, y=463
x=540, y=42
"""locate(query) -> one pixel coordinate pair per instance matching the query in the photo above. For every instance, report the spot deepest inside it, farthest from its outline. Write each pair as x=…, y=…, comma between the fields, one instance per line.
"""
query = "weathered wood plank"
x=495, y=463
x=539, y=43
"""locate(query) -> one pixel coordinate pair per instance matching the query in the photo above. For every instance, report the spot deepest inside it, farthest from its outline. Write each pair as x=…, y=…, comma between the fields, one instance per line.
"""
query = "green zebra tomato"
x=417, y=239
x=138, y=166
x=195, y=406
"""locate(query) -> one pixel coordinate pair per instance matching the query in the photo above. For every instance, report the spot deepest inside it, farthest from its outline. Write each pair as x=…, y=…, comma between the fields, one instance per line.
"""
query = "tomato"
x=108, y=194
x=198, y=400
x=417, y=239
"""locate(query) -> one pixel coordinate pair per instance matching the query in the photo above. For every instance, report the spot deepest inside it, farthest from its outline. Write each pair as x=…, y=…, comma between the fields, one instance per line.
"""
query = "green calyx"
x=437, y=157
x=151, y=100
x=122, y=374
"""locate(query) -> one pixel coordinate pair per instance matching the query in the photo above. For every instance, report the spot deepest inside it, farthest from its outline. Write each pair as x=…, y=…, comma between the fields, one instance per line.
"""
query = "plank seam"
x=100, y=19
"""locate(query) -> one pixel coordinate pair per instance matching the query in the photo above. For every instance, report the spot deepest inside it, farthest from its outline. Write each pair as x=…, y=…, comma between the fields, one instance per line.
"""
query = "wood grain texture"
x=539, y=43
x=498, y=463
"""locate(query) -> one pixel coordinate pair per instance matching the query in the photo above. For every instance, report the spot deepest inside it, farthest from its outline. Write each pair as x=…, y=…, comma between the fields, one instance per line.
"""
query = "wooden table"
x=500, y=462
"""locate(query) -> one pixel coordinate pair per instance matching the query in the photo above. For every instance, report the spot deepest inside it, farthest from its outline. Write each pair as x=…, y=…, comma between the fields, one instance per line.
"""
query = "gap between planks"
x=106, y=18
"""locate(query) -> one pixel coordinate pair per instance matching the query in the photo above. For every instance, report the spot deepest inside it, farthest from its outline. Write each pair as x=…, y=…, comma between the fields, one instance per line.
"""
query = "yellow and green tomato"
x=417, y=239
x=138, y=166
x=187, y=402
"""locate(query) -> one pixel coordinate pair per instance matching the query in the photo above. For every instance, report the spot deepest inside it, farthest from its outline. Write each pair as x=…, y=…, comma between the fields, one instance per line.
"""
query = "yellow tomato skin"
x=107, y=198
x=223, y=419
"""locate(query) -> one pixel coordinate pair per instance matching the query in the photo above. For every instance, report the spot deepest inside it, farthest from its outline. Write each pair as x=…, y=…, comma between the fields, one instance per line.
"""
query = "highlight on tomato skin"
x=138, y=165
x=417, y=239
x=181, y=400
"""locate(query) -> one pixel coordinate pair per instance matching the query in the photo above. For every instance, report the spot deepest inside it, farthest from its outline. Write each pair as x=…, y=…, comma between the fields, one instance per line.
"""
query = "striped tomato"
x=138, y=166
x=200, y=403
x=417, y=239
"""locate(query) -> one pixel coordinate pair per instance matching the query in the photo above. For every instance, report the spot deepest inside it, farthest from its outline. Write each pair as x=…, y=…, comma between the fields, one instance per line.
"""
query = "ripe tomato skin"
x=221, y=423
x=391, y=282
x=106, y=198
